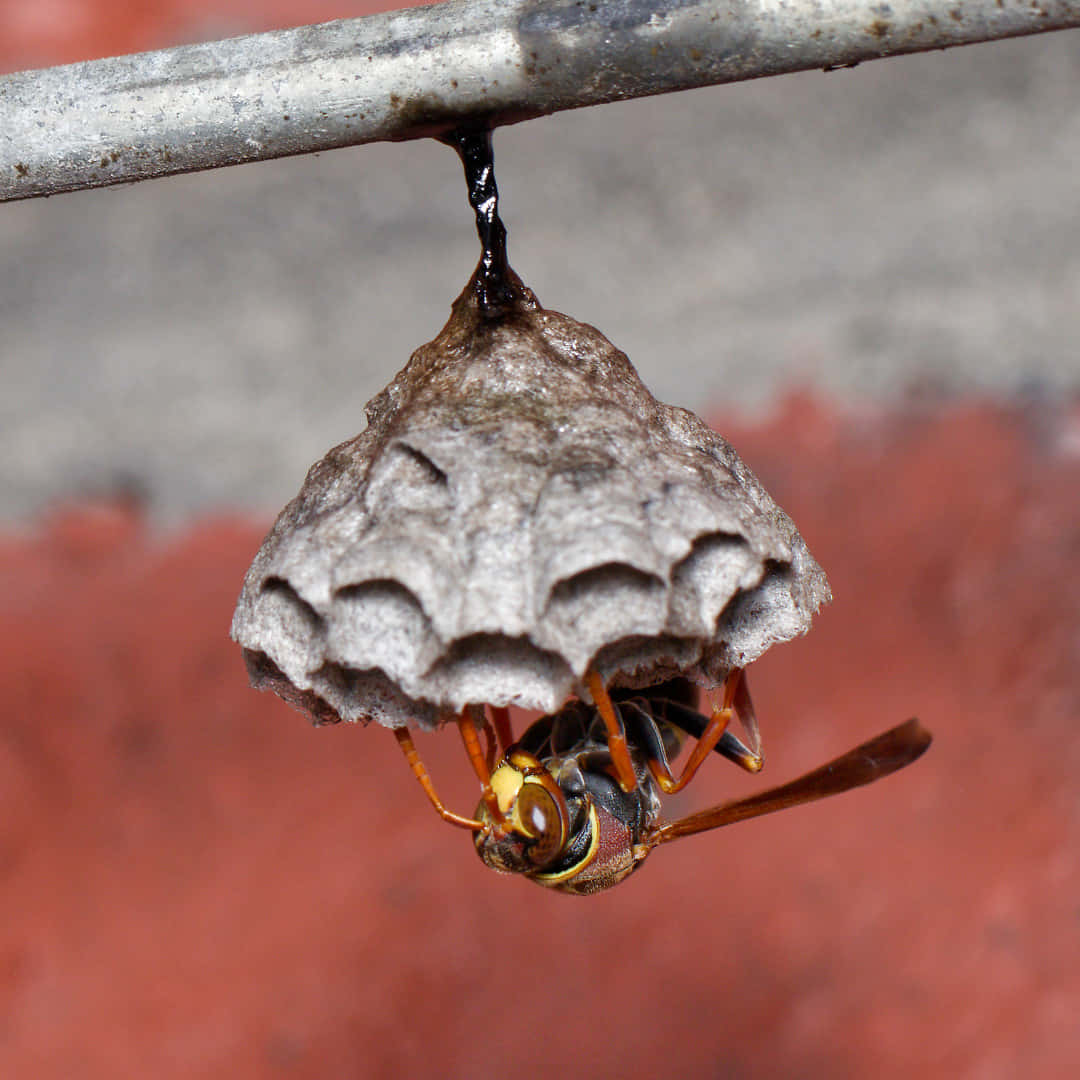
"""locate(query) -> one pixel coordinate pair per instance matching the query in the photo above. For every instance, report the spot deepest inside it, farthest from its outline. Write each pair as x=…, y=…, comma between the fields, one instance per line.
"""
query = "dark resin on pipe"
x=498, y=288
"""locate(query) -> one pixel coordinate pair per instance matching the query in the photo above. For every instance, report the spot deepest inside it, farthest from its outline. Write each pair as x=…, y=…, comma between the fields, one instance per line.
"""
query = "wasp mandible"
x=576, y=803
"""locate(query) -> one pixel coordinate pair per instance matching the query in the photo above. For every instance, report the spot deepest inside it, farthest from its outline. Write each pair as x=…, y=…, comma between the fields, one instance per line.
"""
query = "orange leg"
x=501, y=716
x=405, y=742
x=712, y=734
x=616, y=733
x=734, y=692
x=467, y=725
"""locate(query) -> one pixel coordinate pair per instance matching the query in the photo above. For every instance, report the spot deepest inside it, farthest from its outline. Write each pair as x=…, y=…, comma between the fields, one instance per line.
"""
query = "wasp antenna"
x=500, y=715
x=468, y=721
x=420, y=772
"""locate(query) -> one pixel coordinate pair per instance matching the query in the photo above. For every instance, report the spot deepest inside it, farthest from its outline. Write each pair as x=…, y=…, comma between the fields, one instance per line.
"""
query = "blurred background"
x=869, y=280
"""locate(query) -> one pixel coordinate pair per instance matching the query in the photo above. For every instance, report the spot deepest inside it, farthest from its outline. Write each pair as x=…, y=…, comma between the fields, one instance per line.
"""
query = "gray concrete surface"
x=908, y=223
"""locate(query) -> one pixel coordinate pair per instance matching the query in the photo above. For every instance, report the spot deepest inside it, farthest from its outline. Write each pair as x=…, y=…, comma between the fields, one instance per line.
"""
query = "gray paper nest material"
x=518, y=508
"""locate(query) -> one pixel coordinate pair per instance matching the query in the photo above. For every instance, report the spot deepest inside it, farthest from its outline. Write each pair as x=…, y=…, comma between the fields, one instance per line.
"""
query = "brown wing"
x=871, y=761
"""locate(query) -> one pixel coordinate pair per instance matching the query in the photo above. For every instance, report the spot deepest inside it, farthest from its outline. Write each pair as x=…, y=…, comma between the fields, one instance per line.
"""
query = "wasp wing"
x=871, y=761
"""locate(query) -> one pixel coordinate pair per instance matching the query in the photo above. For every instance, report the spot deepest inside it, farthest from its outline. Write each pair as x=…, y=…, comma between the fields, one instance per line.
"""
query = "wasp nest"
x=519, y=509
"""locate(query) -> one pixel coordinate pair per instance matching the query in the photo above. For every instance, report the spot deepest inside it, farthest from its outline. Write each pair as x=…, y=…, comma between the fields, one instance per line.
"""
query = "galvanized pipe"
x=424, y=71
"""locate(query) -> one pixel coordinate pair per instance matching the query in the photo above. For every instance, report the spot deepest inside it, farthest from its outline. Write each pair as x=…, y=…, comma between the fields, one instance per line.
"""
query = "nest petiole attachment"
x=498, y=288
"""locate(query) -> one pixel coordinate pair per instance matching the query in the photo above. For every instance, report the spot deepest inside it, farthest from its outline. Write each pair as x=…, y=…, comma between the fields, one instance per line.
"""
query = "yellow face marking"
x=506, y=782
x=572, y=871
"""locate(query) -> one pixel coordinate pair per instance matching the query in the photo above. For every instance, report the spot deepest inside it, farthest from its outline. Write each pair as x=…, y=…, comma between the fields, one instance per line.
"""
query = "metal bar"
x=424, y=71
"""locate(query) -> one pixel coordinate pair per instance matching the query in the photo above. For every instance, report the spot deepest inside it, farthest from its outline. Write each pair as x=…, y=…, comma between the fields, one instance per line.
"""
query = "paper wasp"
x=575, y=804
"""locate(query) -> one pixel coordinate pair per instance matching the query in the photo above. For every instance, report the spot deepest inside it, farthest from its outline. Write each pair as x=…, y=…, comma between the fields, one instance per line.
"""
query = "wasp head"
x=536, y=825
x=566, y=826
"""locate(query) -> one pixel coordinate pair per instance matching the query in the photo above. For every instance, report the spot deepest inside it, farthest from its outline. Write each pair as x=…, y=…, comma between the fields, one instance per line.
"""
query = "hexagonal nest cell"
x=519, y=509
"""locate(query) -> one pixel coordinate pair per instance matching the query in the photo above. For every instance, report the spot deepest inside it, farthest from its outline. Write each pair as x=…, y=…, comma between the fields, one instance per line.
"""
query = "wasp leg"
x=420, y=772
x=729, y=746
x=501, y=716
x=616, y=732
x=736, y=701
x=467, y=724
x=713, y=732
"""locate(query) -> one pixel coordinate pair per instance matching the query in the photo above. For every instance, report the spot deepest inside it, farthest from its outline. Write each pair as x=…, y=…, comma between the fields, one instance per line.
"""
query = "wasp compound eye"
x=539, y=817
